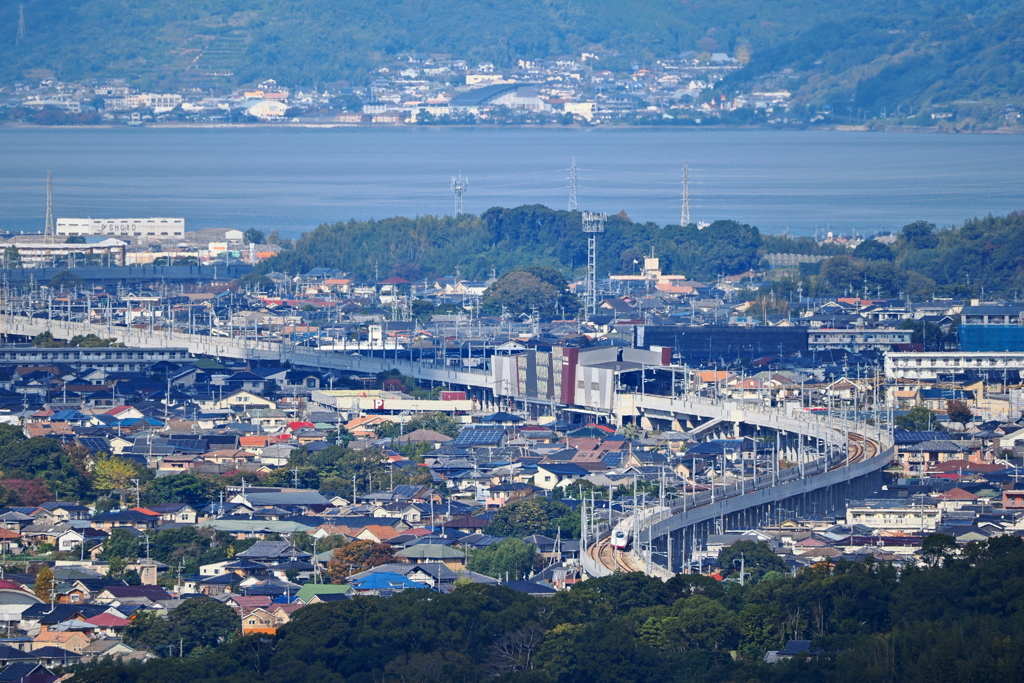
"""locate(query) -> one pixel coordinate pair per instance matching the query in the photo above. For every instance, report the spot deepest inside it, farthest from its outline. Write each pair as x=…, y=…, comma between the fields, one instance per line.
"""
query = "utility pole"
x=684, y=219
x=459, y=185
x=573, y=198
x=593, y=224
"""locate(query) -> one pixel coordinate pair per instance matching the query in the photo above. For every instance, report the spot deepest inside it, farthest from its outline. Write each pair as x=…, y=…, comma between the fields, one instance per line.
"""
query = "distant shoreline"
x=360, y=126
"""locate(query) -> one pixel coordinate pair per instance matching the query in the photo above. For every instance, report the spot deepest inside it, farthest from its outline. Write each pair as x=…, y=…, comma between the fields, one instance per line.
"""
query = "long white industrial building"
x=145, y=228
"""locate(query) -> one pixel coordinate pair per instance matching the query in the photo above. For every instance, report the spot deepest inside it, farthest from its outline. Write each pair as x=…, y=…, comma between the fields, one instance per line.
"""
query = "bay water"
x=292, y=179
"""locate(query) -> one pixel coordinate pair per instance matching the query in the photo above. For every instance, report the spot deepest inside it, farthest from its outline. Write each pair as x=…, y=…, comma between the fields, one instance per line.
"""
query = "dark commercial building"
x=722, y=341
x=977, y=338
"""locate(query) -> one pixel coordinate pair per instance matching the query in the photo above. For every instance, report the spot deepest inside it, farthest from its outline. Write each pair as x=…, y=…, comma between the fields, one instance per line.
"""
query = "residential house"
x=550, y=476
x=177, y=513
x=259, y=620
x=422, y=553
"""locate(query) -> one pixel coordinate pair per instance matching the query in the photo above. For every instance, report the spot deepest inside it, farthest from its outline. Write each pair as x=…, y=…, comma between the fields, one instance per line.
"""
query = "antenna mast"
x=593, y=223
x=573, y=203
x=21, y=26
x=685, y=218
x=459, y=186
x=48, y=230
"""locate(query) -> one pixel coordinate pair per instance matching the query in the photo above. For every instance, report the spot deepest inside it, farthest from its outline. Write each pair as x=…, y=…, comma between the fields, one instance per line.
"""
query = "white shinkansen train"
x=622, y=534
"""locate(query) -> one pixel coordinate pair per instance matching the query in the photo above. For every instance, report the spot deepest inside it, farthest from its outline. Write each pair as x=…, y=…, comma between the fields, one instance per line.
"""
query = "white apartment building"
x=140, y=228
x=856, y=340
x=158, y=102
x=931, y=365
x=894, y=515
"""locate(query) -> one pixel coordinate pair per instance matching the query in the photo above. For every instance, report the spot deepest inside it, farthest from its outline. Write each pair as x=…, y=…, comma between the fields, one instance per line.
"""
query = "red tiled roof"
x=108, y=620
x=958, y=494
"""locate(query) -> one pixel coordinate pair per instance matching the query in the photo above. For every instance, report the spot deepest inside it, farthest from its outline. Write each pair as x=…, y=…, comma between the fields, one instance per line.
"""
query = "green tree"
x=387, y=430
x=44, y=584
x=113, y=474
x=524, y=290
x=120, y=544
x=91, y=341
x=65, y=280
x=918, y=419
x=203, y=622
x=254, y=236
x=936, y=549
x=535, y=515
x=757, y=557
x=181, y=488
x=117, y=567
x=199, y=622
x=46, y=340
x=11, y=257
x=919, y=235
x=508, y=557
x=873, y=250
x=442, y=423
x=62, y=470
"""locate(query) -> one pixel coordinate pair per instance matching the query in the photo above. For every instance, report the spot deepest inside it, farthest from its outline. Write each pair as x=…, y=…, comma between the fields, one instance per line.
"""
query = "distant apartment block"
x=932, y=365
x=875, y=339
x=39, y=253
x=894, y=515
x=156, y=101
x=110, y=359
x=145, y=228
x=992, y=327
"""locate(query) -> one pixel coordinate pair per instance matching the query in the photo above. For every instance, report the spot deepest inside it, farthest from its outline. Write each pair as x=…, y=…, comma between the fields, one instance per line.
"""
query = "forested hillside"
x=883, y=54
x=504, y=239
x=870, y=65
x=984, y=255
x=961, y=620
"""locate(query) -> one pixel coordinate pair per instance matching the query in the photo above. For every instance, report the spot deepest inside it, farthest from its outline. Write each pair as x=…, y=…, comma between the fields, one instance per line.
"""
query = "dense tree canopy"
x=199, y=622
x=957, y=620
x=358, y=556
x=536, y=515
x=526, y=290
x=962, y=260
x=918, y=419
x=510, y=557
x=60, y=471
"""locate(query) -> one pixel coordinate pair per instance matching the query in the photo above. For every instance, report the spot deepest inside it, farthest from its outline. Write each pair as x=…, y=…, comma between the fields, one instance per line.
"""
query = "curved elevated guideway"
x=845, y=461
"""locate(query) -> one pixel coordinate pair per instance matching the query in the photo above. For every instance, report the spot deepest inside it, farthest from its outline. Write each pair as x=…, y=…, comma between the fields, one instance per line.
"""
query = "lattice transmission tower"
x=48, y=228
x=593, y=225
x=684, y=219
x=573, y=197
x=21, y=26
x=459, y=185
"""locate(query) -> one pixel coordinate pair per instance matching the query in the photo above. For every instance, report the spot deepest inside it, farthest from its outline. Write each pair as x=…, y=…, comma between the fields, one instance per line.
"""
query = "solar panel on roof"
x=191, y=445
x=94, y=444
x=613, y=459
x=479, y=437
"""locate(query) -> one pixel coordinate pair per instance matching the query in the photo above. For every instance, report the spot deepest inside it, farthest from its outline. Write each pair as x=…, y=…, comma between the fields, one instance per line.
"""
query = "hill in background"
x=852, y=57
x=982, y=255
